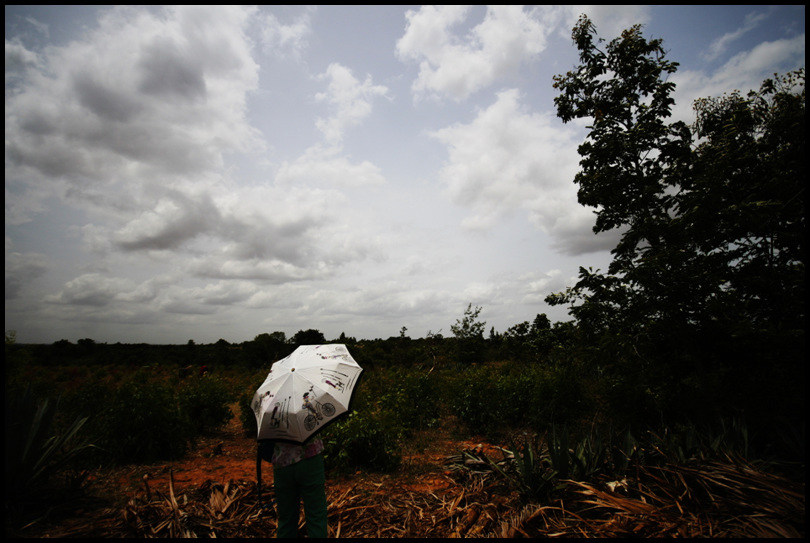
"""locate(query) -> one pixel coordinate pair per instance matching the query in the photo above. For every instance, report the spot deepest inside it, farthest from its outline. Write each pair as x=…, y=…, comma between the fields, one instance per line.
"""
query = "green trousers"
x=303, y=480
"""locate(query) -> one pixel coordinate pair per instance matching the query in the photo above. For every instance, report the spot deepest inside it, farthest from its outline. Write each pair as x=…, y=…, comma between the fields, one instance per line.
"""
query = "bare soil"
x=227, y=456
x=212, y=492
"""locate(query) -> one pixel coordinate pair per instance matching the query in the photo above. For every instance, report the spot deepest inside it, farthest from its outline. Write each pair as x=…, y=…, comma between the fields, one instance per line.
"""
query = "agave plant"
x=626, y=452
x=34, y=448
x=535, y=479
x=559, y=453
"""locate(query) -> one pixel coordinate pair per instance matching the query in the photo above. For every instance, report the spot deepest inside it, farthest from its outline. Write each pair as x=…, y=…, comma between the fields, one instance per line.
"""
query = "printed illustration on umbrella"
x=304, y=392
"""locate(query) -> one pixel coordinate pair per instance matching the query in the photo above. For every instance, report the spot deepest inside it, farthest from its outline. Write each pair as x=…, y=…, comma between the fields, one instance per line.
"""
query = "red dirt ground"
x=230, y=455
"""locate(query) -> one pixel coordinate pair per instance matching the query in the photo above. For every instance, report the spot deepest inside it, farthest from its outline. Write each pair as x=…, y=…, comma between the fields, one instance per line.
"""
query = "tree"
x=709, y=270
x=632, y=163
x=266, y=348
x=469, y=327
x=469, y=334
x=747, y=196
x=308, y=337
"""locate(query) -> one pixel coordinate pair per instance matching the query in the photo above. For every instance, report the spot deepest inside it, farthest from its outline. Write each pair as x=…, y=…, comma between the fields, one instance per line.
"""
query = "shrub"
x=142, y=422
x=489, y=399
x=411, y=400
x=246, y=415
x=474, y=400
x=362, y=440
x=204, y=403
x=35, y=449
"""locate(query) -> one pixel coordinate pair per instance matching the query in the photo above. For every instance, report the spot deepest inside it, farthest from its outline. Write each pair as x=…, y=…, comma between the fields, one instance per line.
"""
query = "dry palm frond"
x=711, y=499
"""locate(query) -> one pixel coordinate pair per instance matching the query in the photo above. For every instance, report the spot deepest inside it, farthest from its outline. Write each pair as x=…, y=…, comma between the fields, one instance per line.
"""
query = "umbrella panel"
x=304, y=392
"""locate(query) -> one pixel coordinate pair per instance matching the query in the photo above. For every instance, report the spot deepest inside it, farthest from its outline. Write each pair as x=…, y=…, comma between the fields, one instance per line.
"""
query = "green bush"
x=204, y=403
x=141, y=421
x=489, y=399
x=474, y=399
x=411, y=399
x=362, y=440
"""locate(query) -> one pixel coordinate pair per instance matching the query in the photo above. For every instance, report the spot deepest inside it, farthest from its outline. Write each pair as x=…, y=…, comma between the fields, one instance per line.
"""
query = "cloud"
x=719, y=46
x=457, y=66
x=174, y=220
x=609, y=20
x=744, y=71
x=170, y=70
x=381, y=300
x=510, y=159
x=350, y=99
x=282, y=39
x=224, y=292
x=143, y=96
x=19, y=59
x=132, y=122
x=91, y=289
x=21, y=269
x=323, y=166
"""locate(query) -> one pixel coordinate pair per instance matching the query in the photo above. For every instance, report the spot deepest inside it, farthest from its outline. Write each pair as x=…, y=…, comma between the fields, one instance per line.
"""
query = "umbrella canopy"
x=304, y=392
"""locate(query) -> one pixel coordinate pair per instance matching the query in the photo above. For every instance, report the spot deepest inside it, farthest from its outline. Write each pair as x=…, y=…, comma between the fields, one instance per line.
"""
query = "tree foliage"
x=469, y=327
x=708, y=275
x=469, y=335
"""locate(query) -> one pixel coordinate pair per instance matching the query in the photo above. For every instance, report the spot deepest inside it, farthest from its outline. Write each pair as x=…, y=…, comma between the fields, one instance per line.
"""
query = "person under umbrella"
x=299, y=475
x=302, y=394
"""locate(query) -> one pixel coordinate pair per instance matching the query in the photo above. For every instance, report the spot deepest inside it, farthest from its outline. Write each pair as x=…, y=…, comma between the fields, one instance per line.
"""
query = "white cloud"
x=143, y=96
x=133, y=122
x=281, y=39
x=19, y=59
x=509, y=159
x=459, y=66
x=350, y=99
x=719, y=46
x=323, y=166
x=539, y=285
x=91, y=289
x=744, y=71
x=609, y=20
x=146, y=291
x=224, y=292
x=174, y=220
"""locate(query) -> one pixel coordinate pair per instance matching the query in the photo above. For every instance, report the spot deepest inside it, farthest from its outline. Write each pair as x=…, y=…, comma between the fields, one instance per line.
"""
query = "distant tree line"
x=528, y=341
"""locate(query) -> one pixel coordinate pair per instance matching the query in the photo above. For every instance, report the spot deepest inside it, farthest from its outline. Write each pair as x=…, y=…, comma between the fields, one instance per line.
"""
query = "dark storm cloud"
x=18, y=59
x=168, y=71
x=21, y=269
x=104, y=101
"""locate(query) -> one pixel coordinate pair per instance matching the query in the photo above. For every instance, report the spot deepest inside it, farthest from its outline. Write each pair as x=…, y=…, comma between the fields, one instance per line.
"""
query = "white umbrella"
x=304, y=392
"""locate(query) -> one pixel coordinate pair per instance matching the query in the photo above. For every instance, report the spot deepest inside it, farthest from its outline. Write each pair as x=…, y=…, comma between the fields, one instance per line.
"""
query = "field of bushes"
x=70, y=407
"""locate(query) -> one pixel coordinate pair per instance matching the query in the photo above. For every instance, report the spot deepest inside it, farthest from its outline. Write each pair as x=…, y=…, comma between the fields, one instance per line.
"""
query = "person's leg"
x=287, y=501
x=312, y=478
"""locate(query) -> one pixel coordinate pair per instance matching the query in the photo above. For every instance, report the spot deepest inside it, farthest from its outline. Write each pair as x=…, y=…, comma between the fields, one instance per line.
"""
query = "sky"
x=204, y=173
